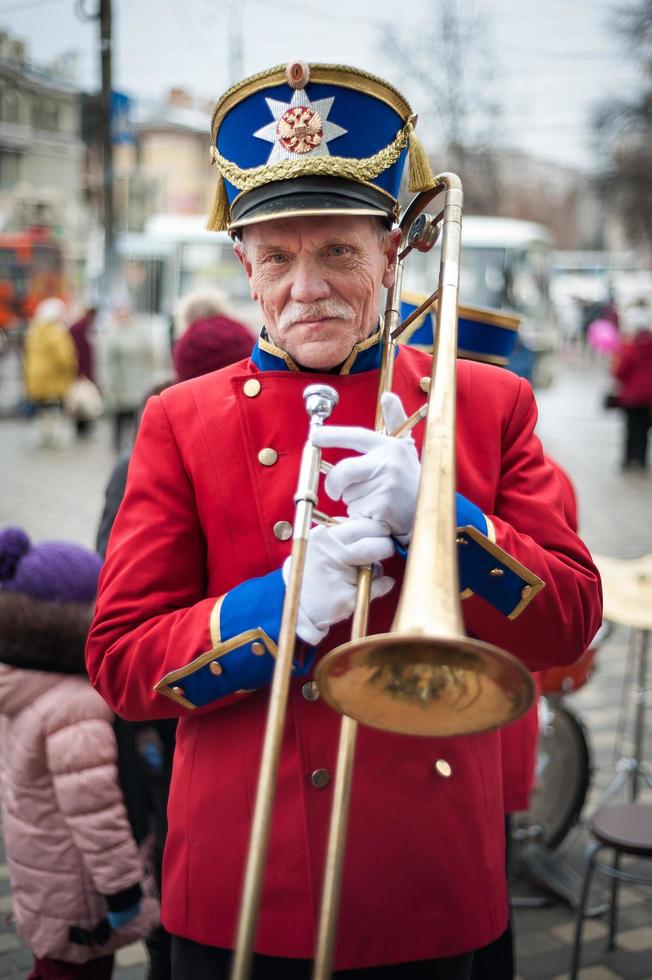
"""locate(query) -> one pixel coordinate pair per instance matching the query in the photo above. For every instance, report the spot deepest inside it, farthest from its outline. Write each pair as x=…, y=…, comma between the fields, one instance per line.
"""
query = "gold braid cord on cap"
x=331, y=166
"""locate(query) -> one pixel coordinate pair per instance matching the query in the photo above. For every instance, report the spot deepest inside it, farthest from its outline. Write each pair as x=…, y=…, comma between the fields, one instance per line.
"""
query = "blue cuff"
x=117, y=919
x=489, y=572
x=484, y=568
x=245, y=643
x=468, y=515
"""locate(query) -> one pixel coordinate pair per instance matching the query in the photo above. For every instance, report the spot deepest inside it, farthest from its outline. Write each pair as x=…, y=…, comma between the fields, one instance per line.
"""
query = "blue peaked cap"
x=312, y=139
x=482, y=334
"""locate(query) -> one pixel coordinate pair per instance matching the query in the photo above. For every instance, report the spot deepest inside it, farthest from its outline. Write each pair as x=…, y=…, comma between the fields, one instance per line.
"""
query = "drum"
x=564, y=680
x=563, y=774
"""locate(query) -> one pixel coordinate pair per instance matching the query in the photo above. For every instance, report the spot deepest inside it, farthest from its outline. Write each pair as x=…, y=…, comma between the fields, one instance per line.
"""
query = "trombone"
x=424, y=677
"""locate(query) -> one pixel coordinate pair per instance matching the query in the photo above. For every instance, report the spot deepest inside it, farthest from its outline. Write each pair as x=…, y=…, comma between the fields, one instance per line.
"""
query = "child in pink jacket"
x=77, y=877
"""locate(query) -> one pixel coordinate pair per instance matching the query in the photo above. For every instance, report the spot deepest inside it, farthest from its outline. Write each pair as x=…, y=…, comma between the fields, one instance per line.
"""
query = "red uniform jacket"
x=424, y=873
x=520, y=739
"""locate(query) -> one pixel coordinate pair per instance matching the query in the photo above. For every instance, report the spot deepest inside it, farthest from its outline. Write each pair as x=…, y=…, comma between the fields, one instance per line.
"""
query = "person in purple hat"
x=65, y=824
x=207, y=339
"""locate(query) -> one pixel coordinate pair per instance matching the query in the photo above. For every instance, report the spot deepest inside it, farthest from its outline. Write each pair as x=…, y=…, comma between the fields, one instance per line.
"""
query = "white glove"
x=382, y=483
x=329, y=582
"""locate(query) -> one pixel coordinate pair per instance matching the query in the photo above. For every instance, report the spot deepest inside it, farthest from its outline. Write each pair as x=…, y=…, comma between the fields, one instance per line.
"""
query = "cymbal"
x=627, y=587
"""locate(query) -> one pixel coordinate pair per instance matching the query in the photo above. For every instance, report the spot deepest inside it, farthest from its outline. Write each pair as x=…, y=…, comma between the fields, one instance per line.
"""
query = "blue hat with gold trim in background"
x=482, y=334
x=312, y=139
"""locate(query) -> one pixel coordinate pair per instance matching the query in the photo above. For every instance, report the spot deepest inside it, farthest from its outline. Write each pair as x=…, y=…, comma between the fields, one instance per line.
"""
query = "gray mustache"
x=328, y=308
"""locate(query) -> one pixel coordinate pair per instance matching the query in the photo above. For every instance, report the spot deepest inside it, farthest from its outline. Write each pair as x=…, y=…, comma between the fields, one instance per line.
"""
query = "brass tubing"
x=250, y=904
x=423, y=308
x=331, y=888
x=320, y=400
x=436, y=499
x=425, y=676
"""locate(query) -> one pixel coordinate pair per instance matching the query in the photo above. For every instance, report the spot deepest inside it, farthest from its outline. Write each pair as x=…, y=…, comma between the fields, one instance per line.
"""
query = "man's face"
x=318, y=281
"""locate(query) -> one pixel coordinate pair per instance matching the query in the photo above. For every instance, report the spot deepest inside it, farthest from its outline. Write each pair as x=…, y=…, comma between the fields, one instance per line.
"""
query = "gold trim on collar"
x=271, y=348
x=342, y=75
x=358, y=348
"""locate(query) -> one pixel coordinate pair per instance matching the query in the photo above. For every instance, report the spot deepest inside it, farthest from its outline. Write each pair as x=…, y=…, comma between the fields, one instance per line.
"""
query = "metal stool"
x=626, y=829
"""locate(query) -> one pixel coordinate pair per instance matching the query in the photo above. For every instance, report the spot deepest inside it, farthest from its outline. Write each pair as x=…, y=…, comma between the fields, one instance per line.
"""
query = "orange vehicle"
x=31, y=269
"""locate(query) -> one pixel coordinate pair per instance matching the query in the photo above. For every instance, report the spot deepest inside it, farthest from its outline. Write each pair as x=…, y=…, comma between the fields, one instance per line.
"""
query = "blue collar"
x=365, y=356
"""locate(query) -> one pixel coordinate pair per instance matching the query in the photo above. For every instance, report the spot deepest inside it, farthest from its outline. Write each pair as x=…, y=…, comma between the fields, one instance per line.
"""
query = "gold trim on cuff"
x=214, y=622
x=491, y=530
x=533, y=583
x=166, y=684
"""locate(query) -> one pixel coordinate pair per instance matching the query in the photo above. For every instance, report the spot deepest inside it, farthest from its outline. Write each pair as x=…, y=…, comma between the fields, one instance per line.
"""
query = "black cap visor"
x=307, y=196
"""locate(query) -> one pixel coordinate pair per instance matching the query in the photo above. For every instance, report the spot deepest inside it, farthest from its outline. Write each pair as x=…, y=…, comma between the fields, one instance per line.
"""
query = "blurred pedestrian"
x=147, y=748
x=632, y=368
x=129, y=370
x=50, y=369
x=207, y=344
x=78, y=880
x=81, y=332
x=198, y=305
x=602, y=336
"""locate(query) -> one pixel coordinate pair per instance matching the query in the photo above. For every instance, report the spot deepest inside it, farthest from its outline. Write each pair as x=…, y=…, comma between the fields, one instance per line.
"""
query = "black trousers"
x=637, y=423
x=496, y=960
x=194, y=961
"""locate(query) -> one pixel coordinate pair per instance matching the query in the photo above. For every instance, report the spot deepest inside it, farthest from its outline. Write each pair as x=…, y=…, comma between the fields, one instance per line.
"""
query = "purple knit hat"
x=210, y=344
x=54, y=570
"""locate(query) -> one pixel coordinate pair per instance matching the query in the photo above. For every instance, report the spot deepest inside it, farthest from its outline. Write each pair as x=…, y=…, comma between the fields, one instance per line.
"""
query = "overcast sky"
x=554, y=59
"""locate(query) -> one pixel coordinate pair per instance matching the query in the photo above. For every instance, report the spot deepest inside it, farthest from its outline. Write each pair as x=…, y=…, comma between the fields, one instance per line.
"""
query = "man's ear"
x=239, y=250
x=391, y=244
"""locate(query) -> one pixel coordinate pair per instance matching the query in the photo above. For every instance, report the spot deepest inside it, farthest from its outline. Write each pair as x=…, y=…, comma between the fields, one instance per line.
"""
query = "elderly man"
x=310, y=160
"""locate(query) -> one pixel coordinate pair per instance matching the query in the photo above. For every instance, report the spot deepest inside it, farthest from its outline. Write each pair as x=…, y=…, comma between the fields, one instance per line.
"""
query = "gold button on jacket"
x=320, y=778
x=283, y=530
x=251, y=387
x=267, y=456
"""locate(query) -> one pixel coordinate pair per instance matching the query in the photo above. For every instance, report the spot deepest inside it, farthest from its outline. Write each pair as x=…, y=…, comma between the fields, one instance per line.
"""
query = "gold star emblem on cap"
x=300, y=127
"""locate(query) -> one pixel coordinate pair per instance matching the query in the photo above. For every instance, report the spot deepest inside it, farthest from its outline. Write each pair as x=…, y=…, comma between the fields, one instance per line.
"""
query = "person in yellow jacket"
x=50, y=366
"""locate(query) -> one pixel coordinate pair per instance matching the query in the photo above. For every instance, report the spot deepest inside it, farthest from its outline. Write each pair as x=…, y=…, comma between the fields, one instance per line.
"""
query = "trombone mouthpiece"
x=320, y=400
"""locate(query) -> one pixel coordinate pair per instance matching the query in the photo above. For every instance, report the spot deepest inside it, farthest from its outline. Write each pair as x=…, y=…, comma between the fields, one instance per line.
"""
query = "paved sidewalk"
x=59, y=494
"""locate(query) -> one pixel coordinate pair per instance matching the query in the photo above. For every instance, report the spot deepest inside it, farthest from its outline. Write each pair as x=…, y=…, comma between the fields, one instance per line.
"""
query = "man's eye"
x=338, y=250
x=277, y=258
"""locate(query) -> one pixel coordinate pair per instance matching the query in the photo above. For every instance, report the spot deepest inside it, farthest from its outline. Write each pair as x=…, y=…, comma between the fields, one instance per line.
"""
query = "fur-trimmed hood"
x=42, y=636
x=39, y=639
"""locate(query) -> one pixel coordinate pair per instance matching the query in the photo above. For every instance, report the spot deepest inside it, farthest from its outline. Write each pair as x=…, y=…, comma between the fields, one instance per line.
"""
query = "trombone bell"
x=416, y=684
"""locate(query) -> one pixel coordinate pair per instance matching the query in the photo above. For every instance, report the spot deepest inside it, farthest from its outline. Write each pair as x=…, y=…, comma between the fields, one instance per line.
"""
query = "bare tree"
x=624, y=131
x=449, y=58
